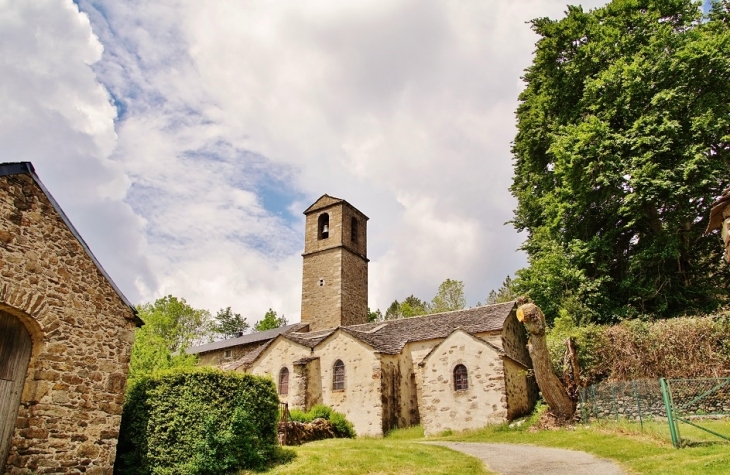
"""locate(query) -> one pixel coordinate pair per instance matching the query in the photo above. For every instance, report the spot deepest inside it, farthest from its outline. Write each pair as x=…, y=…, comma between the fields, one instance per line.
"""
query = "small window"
x=338, y=376
x=323, y=226
x=353, y=230
x=461, y=381
x=284, y=381
x=321, y=282
x=227, y=354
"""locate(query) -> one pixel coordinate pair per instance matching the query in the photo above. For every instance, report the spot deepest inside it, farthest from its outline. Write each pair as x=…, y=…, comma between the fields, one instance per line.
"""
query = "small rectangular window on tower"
x=353, y=230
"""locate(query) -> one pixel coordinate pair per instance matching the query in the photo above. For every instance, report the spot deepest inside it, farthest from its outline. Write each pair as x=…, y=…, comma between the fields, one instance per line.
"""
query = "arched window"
x=461, y=381
x=284, y=381
x=338, y=376
x=323, y=226
x=353, y=230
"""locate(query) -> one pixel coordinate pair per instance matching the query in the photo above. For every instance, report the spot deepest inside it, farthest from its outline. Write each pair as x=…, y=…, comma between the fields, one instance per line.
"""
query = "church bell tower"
x=335, y=268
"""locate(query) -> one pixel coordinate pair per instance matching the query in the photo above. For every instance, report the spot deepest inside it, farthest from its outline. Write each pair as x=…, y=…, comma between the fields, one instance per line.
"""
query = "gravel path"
x=515, y=459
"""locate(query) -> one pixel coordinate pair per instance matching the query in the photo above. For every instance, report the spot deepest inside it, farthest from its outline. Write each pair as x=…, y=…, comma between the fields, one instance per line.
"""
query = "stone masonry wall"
x=360, y=401
x=322, y=289
x=354, y=289
x=219, y=358
x=484, y=402
x=82, y=332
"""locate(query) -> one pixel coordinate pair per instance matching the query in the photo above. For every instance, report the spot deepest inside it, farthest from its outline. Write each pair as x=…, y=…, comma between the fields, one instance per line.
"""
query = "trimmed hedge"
x=684, y=347
x=343, y=427
x=197, y=421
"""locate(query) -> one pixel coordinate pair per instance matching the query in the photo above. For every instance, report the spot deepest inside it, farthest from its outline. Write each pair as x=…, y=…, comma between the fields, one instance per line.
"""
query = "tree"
x=376, y=316
x=506, y=293
x=622, y=143
x=450, y=296
x=411, y=306
x=229, y=324
x=269, y=322
x=171, y=326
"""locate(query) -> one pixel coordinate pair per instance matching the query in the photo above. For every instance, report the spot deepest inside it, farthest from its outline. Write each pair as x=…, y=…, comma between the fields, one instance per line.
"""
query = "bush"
x=342, y=427
x=684, y=347
x=197, y=421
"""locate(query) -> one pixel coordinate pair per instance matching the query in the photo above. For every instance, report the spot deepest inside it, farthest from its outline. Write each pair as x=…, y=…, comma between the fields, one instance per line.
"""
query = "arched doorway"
x=15, y=349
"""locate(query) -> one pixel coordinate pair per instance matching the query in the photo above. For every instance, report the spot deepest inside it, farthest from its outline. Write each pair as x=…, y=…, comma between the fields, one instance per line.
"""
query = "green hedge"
x=197, y=421
x=684, y=347
x=343, y=427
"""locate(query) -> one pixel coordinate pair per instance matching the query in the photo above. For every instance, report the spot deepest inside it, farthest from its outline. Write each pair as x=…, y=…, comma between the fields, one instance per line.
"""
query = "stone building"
x=456, y=370
x=66, y=334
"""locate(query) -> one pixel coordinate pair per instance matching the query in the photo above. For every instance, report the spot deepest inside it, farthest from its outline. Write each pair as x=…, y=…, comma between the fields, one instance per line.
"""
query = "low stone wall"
x=298, y=433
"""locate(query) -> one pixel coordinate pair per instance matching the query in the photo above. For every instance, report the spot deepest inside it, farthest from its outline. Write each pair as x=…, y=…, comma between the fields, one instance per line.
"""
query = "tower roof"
x=325, y=201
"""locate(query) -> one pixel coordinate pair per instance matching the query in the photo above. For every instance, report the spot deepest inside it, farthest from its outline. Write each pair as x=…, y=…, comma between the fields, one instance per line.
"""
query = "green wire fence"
x=702, y=403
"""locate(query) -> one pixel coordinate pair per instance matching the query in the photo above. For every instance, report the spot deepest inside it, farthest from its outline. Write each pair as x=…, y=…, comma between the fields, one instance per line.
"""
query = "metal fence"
x=690, y=401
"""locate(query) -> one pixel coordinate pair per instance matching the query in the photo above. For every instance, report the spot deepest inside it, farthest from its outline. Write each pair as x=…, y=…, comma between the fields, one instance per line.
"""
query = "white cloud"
x=57, y=115
x=234, y=116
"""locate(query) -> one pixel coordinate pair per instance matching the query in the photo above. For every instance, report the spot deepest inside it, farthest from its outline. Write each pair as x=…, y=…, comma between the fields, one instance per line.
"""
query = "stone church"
x=455, y=370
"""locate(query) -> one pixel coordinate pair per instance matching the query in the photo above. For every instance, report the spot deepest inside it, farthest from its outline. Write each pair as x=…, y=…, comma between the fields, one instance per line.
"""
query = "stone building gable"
x=484, y=401
x=81, y=329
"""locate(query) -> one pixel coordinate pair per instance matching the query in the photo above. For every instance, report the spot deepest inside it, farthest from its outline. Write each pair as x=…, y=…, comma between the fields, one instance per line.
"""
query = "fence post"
x=638, y=405
x=613, y=396
x=668, y=404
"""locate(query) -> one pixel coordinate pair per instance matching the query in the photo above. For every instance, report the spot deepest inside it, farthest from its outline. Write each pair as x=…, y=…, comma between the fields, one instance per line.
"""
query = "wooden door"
x=15, y=348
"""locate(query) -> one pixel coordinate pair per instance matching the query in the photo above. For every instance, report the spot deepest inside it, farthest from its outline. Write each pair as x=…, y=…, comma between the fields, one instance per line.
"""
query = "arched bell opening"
x=323, y=226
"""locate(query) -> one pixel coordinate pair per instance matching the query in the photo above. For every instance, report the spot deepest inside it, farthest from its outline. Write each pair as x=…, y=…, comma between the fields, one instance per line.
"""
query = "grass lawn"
x=365, y=455
x=649, y=451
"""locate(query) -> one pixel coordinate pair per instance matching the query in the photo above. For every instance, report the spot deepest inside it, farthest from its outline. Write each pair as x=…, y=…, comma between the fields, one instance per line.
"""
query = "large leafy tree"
x=171, y=326
x=450, y=296
x=623, y=141
x=228, y=324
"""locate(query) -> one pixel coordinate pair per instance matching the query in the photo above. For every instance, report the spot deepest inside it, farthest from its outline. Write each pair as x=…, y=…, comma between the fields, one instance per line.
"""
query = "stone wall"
x=219, y=358
x=82, y=333
x=514, y=340
x=283, y=353
x=360, y=401
x=322, y=289
x=522, y=392
x=484, y=402
x=354, y=289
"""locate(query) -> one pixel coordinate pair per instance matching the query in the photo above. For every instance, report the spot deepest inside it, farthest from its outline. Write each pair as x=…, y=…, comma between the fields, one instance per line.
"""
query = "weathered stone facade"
x=82, y=330
x=334, y=271
x=392, y=382
x=397, y=373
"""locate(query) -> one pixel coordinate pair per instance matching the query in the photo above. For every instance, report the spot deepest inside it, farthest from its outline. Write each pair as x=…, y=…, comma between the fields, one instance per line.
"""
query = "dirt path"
x=515, y=459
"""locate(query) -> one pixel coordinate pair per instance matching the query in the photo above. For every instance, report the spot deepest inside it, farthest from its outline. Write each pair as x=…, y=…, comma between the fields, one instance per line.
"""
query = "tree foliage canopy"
x=229, y=324
x=623, y=141
x=269, y=322
x=171, y=326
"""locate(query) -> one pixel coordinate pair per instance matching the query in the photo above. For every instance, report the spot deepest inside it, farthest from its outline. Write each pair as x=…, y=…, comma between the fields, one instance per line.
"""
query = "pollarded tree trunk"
x=552, y=389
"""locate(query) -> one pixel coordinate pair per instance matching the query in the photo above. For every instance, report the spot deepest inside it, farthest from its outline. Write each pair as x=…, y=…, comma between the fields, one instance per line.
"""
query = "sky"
x=184, y=139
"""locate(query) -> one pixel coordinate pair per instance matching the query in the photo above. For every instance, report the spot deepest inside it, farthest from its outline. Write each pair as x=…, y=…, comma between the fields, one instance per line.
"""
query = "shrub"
x=342, y=427
x=683, y=347
x=197, y=421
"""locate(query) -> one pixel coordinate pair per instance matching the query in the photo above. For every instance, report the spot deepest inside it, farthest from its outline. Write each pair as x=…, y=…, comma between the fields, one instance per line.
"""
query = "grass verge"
x=398, y=455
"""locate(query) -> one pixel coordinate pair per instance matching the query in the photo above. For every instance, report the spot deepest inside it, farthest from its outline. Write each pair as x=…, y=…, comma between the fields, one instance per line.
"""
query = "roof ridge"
x=387, y=322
